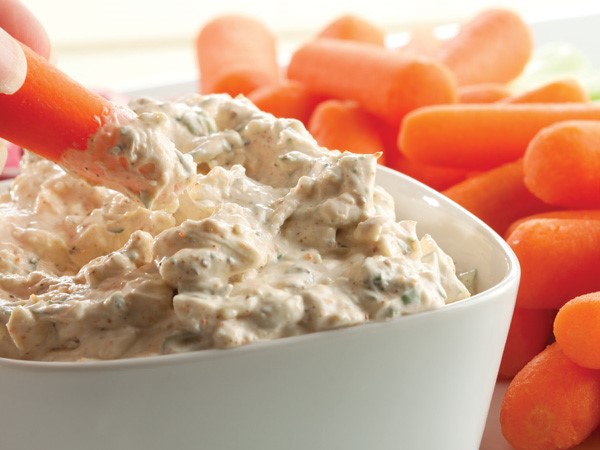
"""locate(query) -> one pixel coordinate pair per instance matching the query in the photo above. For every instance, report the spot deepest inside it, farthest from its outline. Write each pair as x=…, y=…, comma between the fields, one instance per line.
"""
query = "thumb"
x=3, y=154
x=13, y=65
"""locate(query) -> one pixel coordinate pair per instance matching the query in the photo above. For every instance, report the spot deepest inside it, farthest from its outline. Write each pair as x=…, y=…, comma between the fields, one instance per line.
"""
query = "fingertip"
x=13, y=64
x=3, y=154
x=37, y=37
x=23, y=25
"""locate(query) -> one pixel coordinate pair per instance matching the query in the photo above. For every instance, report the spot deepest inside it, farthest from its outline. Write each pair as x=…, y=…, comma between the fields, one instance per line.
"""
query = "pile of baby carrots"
x=443, y=111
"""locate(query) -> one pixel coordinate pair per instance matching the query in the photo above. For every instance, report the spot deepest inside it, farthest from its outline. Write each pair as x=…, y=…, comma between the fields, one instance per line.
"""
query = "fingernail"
x=13, y=65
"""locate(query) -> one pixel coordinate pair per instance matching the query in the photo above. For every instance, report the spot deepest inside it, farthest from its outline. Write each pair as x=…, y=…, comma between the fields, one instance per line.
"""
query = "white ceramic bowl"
x=418, y=382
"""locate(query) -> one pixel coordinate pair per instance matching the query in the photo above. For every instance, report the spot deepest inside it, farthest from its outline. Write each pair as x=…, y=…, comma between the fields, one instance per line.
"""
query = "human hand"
x=17, y=22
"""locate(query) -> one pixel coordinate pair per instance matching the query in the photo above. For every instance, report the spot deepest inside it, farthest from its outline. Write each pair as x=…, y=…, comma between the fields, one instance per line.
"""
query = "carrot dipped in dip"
x=60, y=120
x=51, y=112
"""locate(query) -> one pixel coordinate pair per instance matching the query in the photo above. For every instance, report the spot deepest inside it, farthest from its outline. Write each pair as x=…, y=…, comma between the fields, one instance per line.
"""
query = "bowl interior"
x=471, y=243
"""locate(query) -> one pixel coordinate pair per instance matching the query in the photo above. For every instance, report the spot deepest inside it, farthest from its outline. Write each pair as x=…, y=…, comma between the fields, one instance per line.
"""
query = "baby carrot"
x=383, y=83
x=353, y=28
x=529, y=333
x=51, y=112
x=562, y=164
x=438, y=178
x=288, y=99
x=559, y=258
x=577, y=330
x=482, y=93
x=481, y=136
x=422, y=41
x=435, y=177
x=552, y=403
x=497, y=196
x=589, y=214
x=236, y=54
x=566, y=90
x=391, y=154
x=344, y=125
x=493, y=46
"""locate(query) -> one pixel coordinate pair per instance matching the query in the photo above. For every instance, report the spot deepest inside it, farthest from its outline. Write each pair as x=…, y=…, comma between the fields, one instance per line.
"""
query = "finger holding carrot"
x=17, y=24
x=60, y=120
x=50, y=112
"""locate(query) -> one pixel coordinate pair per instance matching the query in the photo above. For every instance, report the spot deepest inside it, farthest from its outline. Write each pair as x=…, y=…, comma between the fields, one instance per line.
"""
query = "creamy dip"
x=132, y=153
x=274, y=237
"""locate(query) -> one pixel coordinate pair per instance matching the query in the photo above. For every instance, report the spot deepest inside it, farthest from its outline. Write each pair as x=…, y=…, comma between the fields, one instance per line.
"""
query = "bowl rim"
x=510, y=278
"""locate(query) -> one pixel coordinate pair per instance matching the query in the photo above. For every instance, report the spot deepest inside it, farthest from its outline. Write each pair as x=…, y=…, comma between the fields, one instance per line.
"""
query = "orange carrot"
x=529, y=333
x=236, y=54
x=481, y=136
x=433, y=176
x=559, y=258
x=391, y=154
x=344, y=125
x=589, y=214
x=567, y=90
x=493, y=46
x=51, y=112
x=422, y=42
x=552, y=403
x=353, y=28
x=288, y=99
x=438, y=178
x=482, y=93
x=562, y=164
x=577, y=330
x=382, y=82
x=497, y=196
